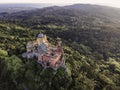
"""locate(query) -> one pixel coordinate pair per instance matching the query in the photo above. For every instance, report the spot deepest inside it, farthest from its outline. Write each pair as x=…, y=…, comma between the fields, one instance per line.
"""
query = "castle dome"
x=40, y=35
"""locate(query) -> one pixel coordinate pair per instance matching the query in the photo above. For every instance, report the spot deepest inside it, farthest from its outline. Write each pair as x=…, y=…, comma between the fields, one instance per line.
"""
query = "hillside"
x=91, y=25
x=90, y=36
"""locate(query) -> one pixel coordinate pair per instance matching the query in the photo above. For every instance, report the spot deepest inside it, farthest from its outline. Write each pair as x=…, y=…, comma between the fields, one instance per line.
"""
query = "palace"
x=44, y=53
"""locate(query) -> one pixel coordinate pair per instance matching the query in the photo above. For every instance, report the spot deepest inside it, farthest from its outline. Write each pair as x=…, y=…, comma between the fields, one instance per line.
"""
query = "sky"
x=113, y=3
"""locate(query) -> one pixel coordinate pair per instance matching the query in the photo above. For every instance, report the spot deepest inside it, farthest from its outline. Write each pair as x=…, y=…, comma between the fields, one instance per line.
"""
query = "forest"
x=91, y=43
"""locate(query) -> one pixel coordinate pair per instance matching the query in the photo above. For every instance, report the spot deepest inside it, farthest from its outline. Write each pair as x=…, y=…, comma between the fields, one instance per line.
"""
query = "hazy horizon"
x=111, y=3
x=38, y=5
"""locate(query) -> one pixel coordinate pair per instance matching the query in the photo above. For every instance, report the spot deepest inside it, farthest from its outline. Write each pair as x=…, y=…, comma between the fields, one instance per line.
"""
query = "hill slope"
x=94, y=26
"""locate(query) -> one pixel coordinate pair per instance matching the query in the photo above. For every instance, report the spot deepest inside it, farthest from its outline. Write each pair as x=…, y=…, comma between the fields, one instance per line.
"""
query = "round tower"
x=59, y=47
x=40, y=38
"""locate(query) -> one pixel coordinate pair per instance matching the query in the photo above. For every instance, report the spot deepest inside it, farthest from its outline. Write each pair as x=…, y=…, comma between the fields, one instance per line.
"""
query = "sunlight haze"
x=113, y=3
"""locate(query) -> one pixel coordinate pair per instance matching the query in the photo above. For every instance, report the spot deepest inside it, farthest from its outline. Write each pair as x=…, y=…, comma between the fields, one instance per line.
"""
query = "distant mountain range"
x=78, y=10
x=20, y=7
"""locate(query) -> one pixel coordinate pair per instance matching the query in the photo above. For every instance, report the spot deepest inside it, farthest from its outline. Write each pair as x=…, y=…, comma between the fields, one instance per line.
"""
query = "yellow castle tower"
x=42, y=39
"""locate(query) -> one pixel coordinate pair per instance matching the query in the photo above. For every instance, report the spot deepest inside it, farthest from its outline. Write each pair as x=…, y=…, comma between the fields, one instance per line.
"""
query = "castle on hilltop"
x=44, y=53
